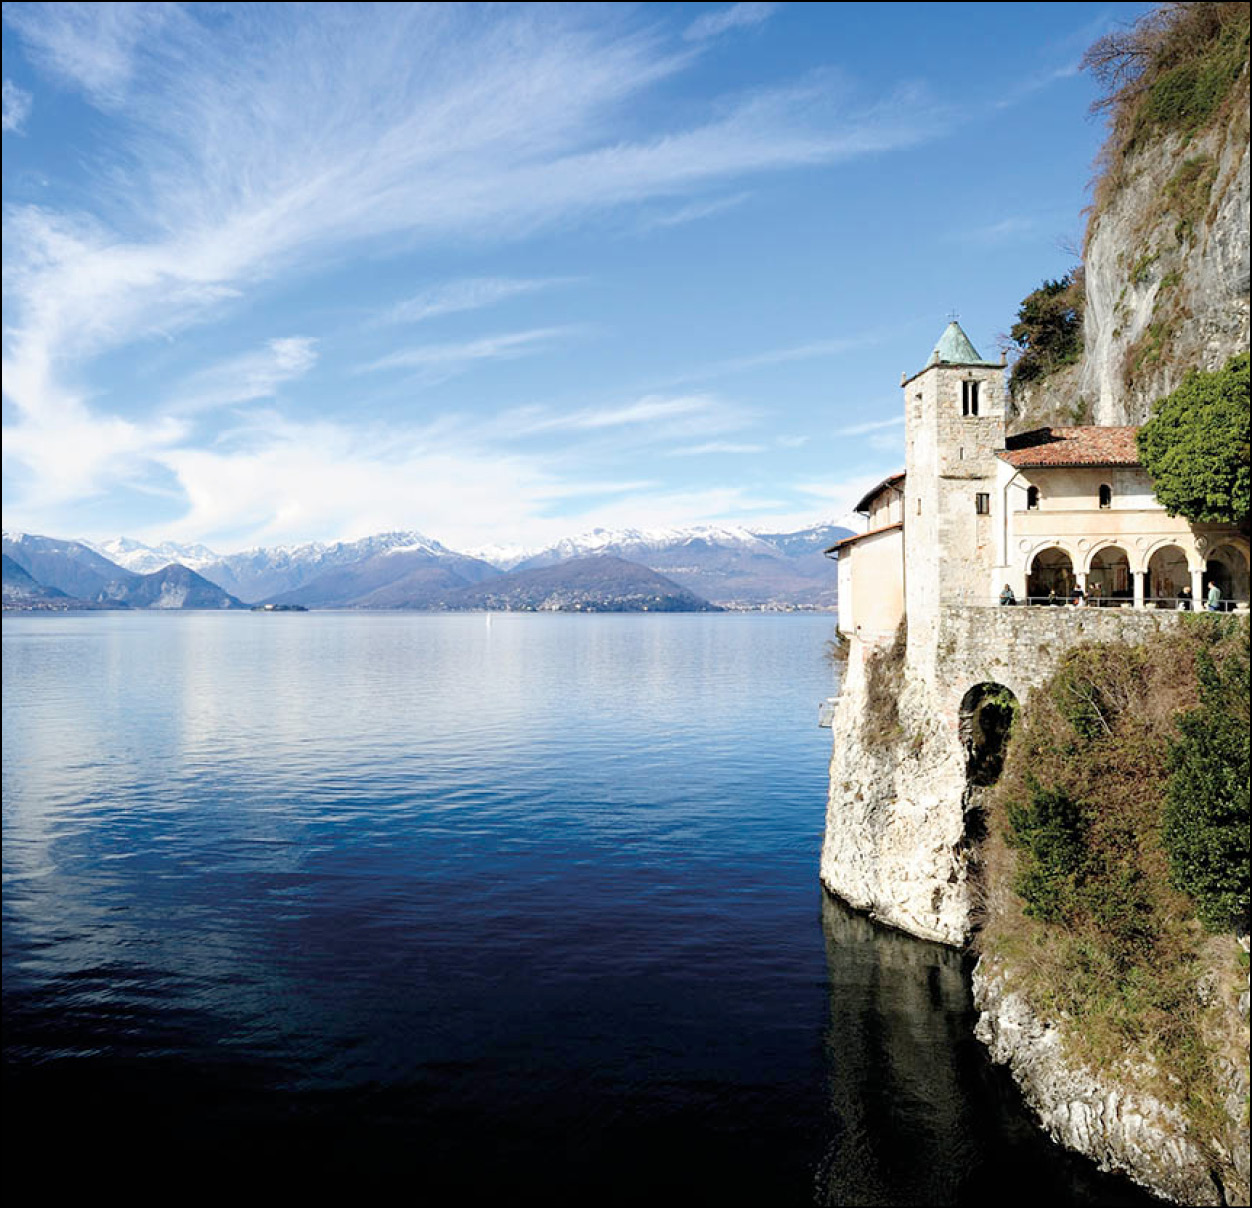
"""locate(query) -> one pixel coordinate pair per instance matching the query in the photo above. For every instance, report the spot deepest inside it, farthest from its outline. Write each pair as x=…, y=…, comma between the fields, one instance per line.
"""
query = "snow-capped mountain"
x=43, y=568
x=622, y=543
x=726, y=564
x=262, y=573
x=144, y=559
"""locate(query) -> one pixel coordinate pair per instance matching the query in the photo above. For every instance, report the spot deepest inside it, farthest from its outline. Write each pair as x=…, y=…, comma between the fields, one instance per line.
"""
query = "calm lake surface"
x=512, y=911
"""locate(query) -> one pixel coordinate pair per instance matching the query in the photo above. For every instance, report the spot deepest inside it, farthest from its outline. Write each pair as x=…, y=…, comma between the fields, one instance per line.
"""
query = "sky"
x=504, y=274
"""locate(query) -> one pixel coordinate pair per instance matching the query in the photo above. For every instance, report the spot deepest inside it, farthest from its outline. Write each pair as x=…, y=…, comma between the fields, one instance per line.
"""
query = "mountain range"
x=658, y=569
x=48, y=572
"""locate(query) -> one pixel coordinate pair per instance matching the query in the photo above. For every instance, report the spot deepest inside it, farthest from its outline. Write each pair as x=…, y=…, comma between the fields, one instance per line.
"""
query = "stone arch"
x=986, y=715
x=1195, y=559
x=1227, y=566
x=1049, y=570
x=1168, y=574
x=1109, y=573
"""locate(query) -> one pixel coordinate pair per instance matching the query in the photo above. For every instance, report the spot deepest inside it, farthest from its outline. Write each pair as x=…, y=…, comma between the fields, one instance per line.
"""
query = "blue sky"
x=505, y=274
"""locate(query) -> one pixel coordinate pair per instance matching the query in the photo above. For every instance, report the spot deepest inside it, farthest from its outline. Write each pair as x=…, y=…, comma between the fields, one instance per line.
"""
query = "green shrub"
x=1206, y=807
x=1051, y=837
x=1196, y=446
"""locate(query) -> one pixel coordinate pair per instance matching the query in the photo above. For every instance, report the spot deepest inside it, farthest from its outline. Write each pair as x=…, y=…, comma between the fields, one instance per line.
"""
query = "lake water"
x=510, y=910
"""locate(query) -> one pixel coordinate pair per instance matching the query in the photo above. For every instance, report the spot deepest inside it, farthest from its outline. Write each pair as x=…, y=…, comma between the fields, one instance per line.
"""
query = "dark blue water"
x=526, y=911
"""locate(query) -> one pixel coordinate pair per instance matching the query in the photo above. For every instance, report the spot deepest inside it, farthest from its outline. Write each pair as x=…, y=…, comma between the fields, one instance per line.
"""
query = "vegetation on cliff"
x=1178, y=69
x=1196, y=446
x=1174, y=89
x=1117, y=841
x=1048, y=333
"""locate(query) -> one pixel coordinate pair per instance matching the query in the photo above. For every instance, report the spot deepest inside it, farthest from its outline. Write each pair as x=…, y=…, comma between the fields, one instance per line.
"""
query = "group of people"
x=1079, y=599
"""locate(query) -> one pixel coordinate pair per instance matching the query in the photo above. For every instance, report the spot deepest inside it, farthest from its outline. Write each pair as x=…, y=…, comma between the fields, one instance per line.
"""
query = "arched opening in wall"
x=1228, y=568
x=1109, y=577
x=1169, y=577
x=987, y=713
x=1051, y=577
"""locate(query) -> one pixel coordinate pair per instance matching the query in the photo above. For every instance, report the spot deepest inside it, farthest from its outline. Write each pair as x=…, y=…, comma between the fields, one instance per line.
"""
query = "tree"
x=1196, y=446
x=1048, y=331
x=1206, y=803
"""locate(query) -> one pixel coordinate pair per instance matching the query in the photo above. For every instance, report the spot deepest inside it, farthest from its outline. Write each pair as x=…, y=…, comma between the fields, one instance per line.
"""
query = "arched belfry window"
x=969, y=398
x=1032, y=498
x=1106, y=495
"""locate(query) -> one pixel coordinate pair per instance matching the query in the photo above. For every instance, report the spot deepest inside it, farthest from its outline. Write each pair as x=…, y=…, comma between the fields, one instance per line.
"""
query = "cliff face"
x=902, y=843
x=1167, y=281
x=895, y=826
x=1119, y=1128
x=902, y=816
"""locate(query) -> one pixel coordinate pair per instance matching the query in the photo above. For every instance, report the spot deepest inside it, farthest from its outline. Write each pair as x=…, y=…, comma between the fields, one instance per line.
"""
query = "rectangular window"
x=969, y=398
x=982, y=503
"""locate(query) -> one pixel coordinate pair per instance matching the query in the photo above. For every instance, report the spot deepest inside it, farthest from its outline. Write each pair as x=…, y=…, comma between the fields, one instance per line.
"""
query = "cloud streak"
x=738, y=16
x=16, y=107
x=453, y=297
x=249, y=145
x=456, y=357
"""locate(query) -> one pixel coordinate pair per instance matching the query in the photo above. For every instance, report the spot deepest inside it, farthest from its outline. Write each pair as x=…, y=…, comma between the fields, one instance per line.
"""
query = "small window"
x=919, y=505
x=982, y=503
x=969, y=398
x=1106, y=495
x=1032, y=498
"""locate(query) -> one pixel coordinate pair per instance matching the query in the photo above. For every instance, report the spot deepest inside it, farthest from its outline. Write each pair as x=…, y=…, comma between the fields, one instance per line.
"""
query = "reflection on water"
x=917, y=1114
x=313, y=904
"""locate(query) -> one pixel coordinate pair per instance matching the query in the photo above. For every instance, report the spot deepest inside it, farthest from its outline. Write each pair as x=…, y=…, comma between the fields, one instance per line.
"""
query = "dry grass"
x=1180, y=68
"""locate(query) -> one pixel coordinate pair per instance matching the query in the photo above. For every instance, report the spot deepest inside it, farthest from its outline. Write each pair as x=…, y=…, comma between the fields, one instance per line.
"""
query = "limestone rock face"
x=1167, y=283
x=895, y=828
x=1120, y=1129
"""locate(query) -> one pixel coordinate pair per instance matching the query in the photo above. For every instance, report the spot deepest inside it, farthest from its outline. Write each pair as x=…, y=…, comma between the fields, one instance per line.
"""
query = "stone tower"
x=954, y=427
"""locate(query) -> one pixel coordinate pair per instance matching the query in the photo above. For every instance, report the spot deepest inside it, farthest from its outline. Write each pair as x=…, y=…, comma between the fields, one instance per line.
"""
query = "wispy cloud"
x=1005, y=229
x=870, y=426
x=661, y=415
x=94, y=46
x=16, y=107
x=810, y=350
x=248, y=144
x=471, y=293
x=457, y=356
x=737, y=16
x=692, y=213
x=714, y=446
x=253, y=375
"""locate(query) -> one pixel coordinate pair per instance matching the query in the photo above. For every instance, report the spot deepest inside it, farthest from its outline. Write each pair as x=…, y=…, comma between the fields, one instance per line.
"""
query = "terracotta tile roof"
x=890, y=480
x=1090, y=446
x=886, y=528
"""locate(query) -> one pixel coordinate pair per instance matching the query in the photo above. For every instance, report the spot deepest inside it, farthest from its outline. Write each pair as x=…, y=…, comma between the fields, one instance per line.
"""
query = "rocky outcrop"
x=895, y=828
x=1120, y=1128
x=898, y=840
x=1167, y=282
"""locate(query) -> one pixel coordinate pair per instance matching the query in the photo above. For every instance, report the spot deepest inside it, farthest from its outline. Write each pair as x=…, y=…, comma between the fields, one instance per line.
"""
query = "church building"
x=1053, y=516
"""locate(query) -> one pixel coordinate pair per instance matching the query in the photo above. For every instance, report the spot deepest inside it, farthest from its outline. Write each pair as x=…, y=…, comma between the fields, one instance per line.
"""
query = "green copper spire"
x=954, y=348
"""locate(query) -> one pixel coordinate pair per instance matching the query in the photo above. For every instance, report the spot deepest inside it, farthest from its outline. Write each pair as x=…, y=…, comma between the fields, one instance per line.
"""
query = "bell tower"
x=954, y=427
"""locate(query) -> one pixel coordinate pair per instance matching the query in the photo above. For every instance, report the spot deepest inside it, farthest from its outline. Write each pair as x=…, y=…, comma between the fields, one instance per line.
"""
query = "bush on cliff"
x=1206, y=804
x=1048, y=331
x=1178, y=68
x=1110, y=774
x=1196, y=446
